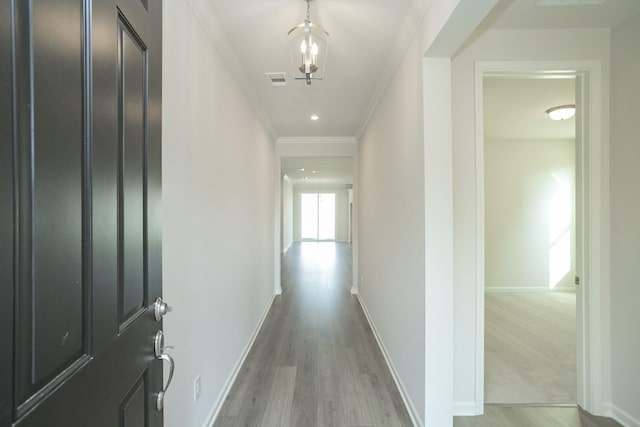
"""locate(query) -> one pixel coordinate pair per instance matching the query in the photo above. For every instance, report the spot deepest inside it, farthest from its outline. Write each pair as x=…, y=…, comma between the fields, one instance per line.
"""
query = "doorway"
x=589, y=236
x=318, y=216
x=529, y=174
x=325, y=169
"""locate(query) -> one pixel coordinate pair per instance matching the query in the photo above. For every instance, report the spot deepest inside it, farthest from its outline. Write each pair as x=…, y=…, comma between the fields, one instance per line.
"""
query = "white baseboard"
x=623, y=418
x=413, y=413
x=528, y=289
x=464, y=409
x=213, y=414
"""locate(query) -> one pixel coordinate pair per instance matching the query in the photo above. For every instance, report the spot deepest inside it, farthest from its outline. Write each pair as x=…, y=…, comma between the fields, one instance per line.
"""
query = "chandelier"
x=307, y=42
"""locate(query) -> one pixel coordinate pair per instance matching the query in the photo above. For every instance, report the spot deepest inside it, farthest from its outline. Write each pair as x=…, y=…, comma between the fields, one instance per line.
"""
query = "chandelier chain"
x=308, y=13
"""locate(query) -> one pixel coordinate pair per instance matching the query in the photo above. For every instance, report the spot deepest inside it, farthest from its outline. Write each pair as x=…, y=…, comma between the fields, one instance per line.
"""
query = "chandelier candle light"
x=308, y=43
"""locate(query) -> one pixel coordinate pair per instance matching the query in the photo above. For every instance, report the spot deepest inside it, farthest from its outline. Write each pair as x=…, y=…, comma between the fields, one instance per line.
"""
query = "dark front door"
x=80, y=256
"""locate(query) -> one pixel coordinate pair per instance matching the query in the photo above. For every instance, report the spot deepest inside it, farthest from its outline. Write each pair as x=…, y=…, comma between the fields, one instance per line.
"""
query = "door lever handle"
x=160, y=399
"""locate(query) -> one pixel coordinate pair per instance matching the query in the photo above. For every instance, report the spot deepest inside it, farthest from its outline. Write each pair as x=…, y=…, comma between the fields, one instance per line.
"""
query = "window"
x=318, y=216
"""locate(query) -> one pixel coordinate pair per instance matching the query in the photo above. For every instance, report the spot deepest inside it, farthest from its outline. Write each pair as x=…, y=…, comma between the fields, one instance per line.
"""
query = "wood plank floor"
x=315, y=361
x=534, y=416
x=530, y=348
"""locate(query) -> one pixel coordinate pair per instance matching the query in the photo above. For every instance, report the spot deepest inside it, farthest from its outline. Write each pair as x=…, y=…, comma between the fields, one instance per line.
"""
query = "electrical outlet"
x=197, y=388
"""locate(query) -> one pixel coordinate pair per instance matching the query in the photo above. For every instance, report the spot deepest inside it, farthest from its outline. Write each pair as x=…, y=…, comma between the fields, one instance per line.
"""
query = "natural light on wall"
x=559, y=231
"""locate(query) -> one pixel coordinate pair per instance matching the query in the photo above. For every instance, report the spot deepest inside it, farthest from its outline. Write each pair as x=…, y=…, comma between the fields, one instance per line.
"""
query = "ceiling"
x=526, y=14
x=515, y=108
x=367, y=41
x=318, y=171
x=363, y=35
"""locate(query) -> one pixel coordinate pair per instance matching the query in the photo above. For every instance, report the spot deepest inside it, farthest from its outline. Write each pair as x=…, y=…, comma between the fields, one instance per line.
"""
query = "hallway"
x=315, y=361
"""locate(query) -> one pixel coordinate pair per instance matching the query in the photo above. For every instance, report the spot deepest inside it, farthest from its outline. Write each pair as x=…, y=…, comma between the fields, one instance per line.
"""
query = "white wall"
x=287, y=213
x=625, y=224
x=218, y=238
x=342, y=209
x=392, y=225
x=503, y=45
x=529, y=199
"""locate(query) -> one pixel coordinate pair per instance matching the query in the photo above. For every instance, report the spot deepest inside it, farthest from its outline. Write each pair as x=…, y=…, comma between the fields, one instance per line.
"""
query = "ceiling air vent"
x=277, y=79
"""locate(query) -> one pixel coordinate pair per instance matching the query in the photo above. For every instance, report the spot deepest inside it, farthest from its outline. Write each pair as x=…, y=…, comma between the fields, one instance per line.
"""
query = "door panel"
x=49, y=193
x=132, y=409
x=132, y=106
x=80, y=190
x=57, y=332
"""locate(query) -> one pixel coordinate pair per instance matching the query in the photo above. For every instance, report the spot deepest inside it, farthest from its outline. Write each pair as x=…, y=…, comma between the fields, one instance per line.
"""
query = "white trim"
x=623, y=418
x=316, y=140
x=413, y=413
x=464, y=409
x=354, y=290
x=438, y=238
x=480, y=220
x=277, y=225
x=528, y=289
x=215, y=411
x=592, y=372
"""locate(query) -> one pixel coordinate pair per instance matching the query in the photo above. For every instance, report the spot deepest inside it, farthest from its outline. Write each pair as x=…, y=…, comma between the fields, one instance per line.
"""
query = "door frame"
x=592, y=315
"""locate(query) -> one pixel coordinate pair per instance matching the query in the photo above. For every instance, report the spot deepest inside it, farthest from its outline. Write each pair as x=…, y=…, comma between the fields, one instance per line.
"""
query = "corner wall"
x=392, y=225
x=218, y=238
x=287, y=214
x=625, y=226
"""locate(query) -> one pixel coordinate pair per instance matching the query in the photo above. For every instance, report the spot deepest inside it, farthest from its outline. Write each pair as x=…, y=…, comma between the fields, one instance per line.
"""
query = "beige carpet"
x=530, y=348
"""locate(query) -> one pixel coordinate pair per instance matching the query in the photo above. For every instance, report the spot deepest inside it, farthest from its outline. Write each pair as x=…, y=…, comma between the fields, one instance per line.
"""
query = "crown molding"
x=317, y=140
x=211, y=24
x=408, y=30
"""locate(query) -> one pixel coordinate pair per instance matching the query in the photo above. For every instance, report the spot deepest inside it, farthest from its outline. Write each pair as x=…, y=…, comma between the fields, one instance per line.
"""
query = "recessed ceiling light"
x=306, y=177
x=301, y=170
x=314, y=171
x=314, y=117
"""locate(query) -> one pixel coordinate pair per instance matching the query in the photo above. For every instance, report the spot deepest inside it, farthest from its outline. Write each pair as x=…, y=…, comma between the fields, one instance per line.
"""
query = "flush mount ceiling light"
x=307, y=42
x=562, y=112
x=314, y=117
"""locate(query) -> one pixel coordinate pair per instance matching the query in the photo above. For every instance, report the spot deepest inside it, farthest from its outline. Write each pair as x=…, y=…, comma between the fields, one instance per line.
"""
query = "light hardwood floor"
x=315, y=361
x=530, y=348
x=533, y=416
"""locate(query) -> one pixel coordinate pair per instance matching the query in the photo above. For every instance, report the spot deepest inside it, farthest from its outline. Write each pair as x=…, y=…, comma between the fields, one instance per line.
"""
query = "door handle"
x=158, y=344
x=160, y=399
x=160, y=308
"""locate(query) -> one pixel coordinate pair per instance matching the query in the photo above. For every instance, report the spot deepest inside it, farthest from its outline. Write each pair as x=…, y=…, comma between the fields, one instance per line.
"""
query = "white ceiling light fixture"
x=314, y=117
x=562, y=112
x=307, y=42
